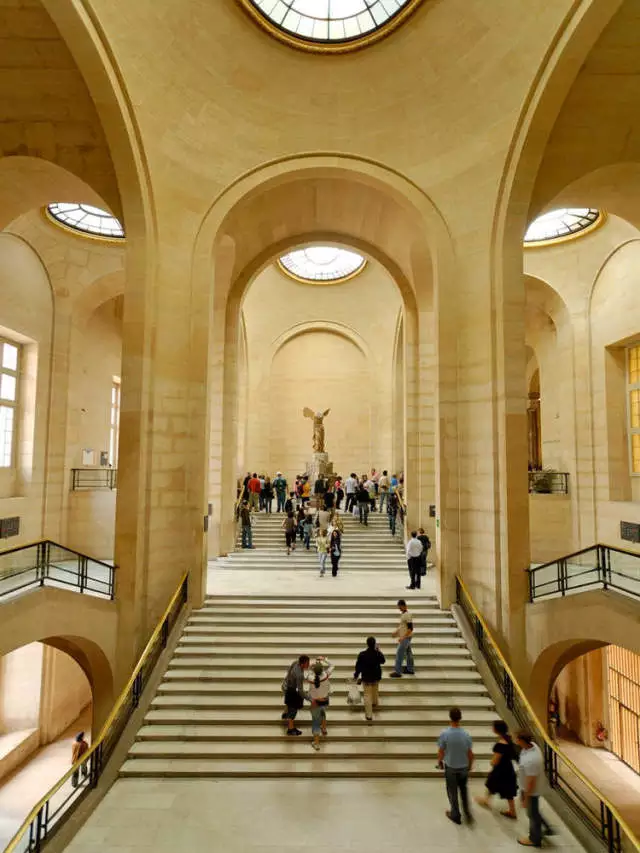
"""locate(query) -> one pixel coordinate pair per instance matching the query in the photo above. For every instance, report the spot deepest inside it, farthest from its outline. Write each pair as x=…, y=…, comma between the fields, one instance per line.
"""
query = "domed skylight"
x=562, y=222
x=330, y=21
x=87, y=219
x=322, y=263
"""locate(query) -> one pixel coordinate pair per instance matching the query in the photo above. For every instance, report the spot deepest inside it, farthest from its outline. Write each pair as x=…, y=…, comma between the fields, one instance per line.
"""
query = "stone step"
x=302, y=767
x=284, y=748
x=166, y=713
x=312, y=611
x=273, y=702
x=259, y=621
x=204, y=671
x=340, y=657
x=289, y=644
x=264, y=686
x=319, y=600
x=278, y=633
x=271, y=567
x=354, y=732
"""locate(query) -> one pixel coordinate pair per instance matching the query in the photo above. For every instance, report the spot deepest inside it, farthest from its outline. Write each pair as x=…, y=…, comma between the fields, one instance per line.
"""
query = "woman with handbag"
x=319, y=691
x=335, y=550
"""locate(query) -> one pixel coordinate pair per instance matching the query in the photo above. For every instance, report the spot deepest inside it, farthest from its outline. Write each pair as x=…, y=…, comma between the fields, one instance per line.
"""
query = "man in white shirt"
x=414, y=552
x=403, y=634
x=350, y=486
x=383, y=489
x=531, y=770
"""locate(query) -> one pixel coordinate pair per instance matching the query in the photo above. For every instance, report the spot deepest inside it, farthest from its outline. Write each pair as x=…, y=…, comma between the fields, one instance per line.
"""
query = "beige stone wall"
x=20, y=688
x=321, y=346
x=582, y=311
x=26, y=317
x=551, y=527
x=65, y=693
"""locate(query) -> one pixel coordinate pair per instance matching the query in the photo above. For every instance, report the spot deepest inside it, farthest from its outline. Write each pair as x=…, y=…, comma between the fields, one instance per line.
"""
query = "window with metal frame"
x=624, y=705
x=633, y=406
x=9, y=392
x=114, y=422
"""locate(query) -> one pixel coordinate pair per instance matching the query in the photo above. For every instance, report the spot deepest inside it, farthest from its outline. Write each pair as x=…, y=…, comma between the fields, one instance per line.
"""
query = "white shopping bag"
x=355, y=511
x=353, y=694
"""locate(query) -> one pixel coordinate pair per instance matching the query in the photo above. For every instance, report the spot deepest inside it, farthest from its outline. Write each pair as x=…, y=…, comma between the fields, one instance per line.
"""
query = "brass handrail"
x=120, y=701
x=542, y=729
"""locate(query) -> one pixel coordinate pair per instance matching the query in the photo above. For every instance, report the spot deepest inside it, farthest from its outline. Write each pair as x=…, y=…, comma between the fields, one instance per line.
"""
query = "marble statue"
x=318, y=428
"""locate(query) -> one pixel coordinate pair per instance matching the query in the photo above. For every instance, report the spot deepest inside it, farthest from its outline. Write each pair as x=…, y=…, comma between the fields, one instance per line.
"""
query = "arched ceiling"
x=47, y=111
x=599, y=123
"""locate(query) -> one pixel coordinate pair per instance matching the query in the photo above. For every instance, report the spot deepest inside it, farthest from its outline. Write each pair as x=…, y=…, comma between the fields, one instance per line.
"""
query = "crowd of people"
x=310, y=682
x=313, y=517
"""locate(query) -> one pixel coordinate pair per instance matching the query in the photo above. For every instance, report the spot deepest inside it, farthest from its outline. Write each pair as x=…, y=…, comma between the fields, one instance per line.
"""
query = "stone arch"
x=99, y=291
x=320, y=197
x=340, y=329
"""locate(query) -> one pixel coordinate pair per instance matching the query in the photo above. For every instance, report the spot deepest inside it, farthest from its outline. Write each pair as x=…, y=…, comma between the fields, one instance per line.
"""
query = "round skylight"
x=330, y=22
x=87, y=219
x=322, y=263
x=562, y=222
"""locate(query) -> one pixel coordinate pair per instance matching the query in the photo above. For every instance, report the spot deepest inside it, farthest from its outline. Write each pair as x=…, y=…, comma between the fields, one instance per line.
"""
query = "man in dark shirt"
x=369, y=670
x=426, y=544
x=364, y=502
x=245, y=521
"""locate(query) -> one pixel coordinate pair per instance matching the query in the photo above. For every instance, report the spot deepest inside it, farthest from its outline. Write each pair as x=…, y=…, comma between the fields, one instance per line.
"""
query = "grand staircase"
x=217, y=711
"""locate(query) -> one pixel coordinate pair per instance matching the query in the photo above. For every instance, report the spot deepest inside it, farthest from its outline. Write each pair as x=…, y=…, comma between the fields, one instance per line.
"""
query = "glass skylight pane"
x=329, y=20
x=86, y=218
x=561, y=223
x=322, y=263
x=10, y=357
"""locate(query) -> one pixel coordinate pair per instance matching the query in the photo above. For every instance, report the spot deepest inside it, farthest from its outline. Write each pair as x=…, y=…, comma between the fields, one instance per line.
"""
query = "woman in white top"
x=322, y=545
x=319, y=694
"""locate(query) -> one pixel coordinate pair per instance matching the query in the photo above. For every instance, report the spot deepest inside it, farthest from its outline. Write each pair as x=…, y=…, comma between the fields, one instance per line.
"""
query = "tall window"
x=633, y=397
x=114, y=426
x=9, y=371
x=624, y=704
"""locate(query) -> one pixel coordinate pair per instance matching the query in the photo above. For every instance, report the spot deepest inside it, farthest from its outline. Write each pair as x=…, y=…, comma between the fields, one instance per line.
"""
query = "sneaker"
x=315, y=745
x=294, y=733
x=395, y=675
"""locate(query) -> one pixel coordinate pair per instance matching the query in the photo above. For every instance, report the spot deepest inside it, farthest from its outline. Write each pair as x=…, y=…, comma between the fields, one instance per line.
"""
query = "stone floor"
x=22, y=790
x=618, y=782
x=254, y=816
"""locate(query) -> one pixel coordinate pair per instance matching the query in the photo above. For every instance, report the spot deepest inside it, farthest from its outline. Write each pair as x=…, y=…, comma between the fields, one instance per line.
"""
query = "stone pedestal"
x=320, y=466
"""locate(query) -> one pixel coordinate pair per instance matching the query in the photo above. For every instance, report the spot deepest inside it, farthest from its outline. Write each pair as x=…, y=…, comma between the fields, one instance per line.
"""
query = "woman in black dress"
x=502, y=779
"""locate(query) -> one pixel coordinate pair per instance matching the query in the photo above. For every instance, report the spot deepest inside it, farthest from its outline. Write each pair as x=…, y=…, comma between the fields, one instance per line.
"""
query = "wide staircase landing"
x=217, y=710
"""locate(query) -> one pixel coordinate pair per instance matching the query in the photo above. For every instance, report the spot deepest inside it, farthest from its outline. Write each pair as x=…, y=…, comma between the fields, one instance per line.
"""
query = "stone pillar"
x=164, y=440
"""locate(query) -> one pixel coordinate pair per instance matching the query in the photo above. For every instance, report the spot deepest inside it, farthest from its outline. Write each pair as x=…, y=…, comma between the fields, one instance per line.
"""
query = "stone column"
x=164, y=439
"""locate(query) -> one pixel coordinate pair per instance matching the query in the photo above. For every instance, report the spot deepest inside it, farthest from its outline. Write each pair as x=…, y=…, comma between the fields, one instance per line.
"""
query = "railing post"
x=137, y=689
x=95, y=766
x=82, y=572
x=165, y=633
x=610, y=830
x=112, y=582
x=47, y=559
x=479, y=632
x=530, y=573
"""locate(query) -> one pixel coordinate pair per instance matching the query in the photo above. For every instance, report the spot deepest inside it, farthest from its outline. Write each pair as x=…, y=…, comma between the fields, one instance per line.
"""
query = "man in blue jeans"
x=455, y=754
x=531, y=770
x=403, y=634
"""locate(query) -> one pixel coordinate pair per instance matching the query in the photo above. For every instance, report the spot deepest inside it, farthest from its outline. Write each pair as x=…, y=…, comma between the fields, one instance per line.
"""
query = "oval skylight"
x=330, y=21
x=322, y=263
x=562, y=222
x=87, y=219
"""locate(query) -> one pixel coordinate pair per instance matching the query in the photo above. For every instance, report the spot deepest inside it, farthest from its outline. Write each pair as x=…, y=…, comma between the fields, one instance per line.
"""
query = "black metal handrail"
x=91, y=479
x=62, y=800
x=597, y=567
x=584, y=800
x=47, y=563
x=549, y=482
